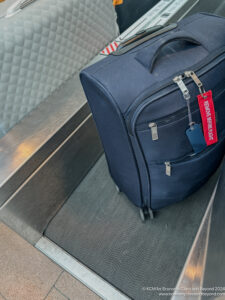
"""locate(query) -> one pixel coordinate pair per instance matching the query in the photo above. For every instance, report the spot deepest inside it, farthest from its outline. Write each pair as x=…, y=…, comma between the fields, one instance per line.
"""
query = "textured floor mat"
x=103, y=230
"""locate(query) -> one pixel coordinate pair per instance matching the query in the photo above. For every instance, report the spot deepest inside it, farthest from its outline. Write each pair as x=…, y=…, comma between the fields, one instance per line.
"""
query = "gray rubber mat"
x=103, y=230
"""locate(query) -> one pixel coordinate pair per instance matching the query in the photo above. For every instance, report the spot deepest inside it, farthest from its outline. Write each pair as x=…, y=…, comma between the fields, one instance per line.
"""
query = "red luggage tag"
x=208, y=116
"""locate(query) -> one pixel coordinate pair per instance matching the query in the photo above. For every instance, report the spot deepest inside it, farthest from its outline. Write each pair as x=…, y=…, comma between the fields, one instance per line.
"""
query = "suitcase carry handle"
x=177, y=36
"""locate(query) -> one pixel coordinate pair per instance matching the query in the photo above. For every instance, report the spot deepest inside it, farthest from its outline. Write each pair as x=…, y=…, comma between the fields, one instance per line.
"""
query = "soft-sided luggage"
x=162, y=131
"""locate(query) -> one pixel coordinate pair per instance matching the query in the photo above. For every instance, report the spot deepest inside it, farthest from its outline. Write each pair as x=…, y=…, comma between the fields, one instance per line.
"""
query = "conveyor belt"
x=102, y=229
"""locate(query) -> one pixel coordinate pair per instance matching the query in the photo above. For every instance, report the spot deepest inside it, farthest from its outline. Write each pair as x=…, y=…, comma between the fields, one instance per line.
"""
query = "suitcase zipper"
x=175, y=116
x=186, y=158
x=196, y=80
x=169, y=164
x=154, y=130
x=186, y=95
x=154, y=126
x=168, y=168
x=133, y=109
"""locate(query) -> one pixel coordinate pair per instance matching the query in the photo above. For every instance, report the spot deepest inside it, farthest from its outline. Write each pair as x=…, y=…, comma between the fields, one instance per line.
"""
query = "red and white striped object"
x=110, y=48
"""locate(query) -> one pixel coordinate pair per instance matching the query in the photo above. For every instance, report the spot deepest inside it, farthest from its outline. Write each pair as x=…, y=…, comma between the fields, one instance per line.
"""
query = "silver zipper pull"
x=179, y=81
x=196, y=80
x=168, y=168
x=154, y=131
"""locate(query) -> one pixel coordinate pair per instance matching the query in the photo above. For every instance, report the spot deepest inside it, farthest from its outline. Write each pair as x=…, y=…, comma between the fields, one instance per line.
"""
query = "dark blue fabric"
x=118, y=74
x=116, y=143
x=186, y=176
x=125, y=94
x=196, y=138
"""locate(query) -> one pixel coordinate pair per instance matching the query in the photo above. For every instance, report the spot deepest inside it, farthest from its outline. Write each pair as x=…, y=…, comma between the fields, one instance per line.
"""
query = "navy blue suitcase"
x=144, y=102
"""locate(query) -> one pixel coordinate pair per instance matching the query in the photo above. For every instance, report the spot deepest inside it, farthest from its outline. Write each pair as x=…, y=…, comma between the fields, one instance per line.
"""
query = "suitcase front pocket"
x=167, y=139
x=174, y=180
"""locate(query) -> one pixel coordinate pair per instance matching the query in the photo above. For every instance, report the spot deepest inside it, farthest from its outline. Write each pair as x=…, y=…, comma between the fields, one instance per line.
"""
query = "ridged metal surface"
x=29, y=143
x=79, y=271
x=190, y=283
x=31, y=207
x=103, y=230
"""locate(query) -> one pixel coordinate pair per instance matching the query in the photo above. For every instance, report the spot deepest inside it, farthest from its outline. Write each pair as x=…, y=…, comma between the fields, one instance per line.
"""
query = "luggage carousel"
x=98, y=231
x=102, y=229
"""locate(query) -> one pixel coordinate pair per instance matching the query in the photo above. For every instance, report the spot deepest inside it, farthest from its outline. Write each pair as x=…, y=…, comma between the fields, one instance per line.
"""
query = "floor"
x=27, y=274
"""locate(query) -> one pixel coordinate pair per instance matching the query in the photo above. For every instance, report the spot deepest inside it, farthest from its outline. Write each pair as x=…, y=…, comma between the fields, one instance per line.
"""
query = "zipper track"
x=183, y=158
x=133, y=109
x=181, y=113
x=191, y=155
x=169, y=118
x=196, y=155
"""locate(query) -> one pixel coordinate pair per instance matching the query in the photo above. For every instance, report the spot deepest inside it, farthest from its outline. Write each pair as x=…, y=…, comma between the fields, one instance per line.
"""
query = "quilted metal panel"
x=44, y=45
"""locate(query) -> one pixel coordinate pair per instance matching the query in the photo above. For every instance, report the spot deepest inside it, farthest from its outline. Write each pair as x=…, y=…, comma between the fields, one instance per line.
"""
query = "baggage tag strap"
x=208, y=115
x=194, y=132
